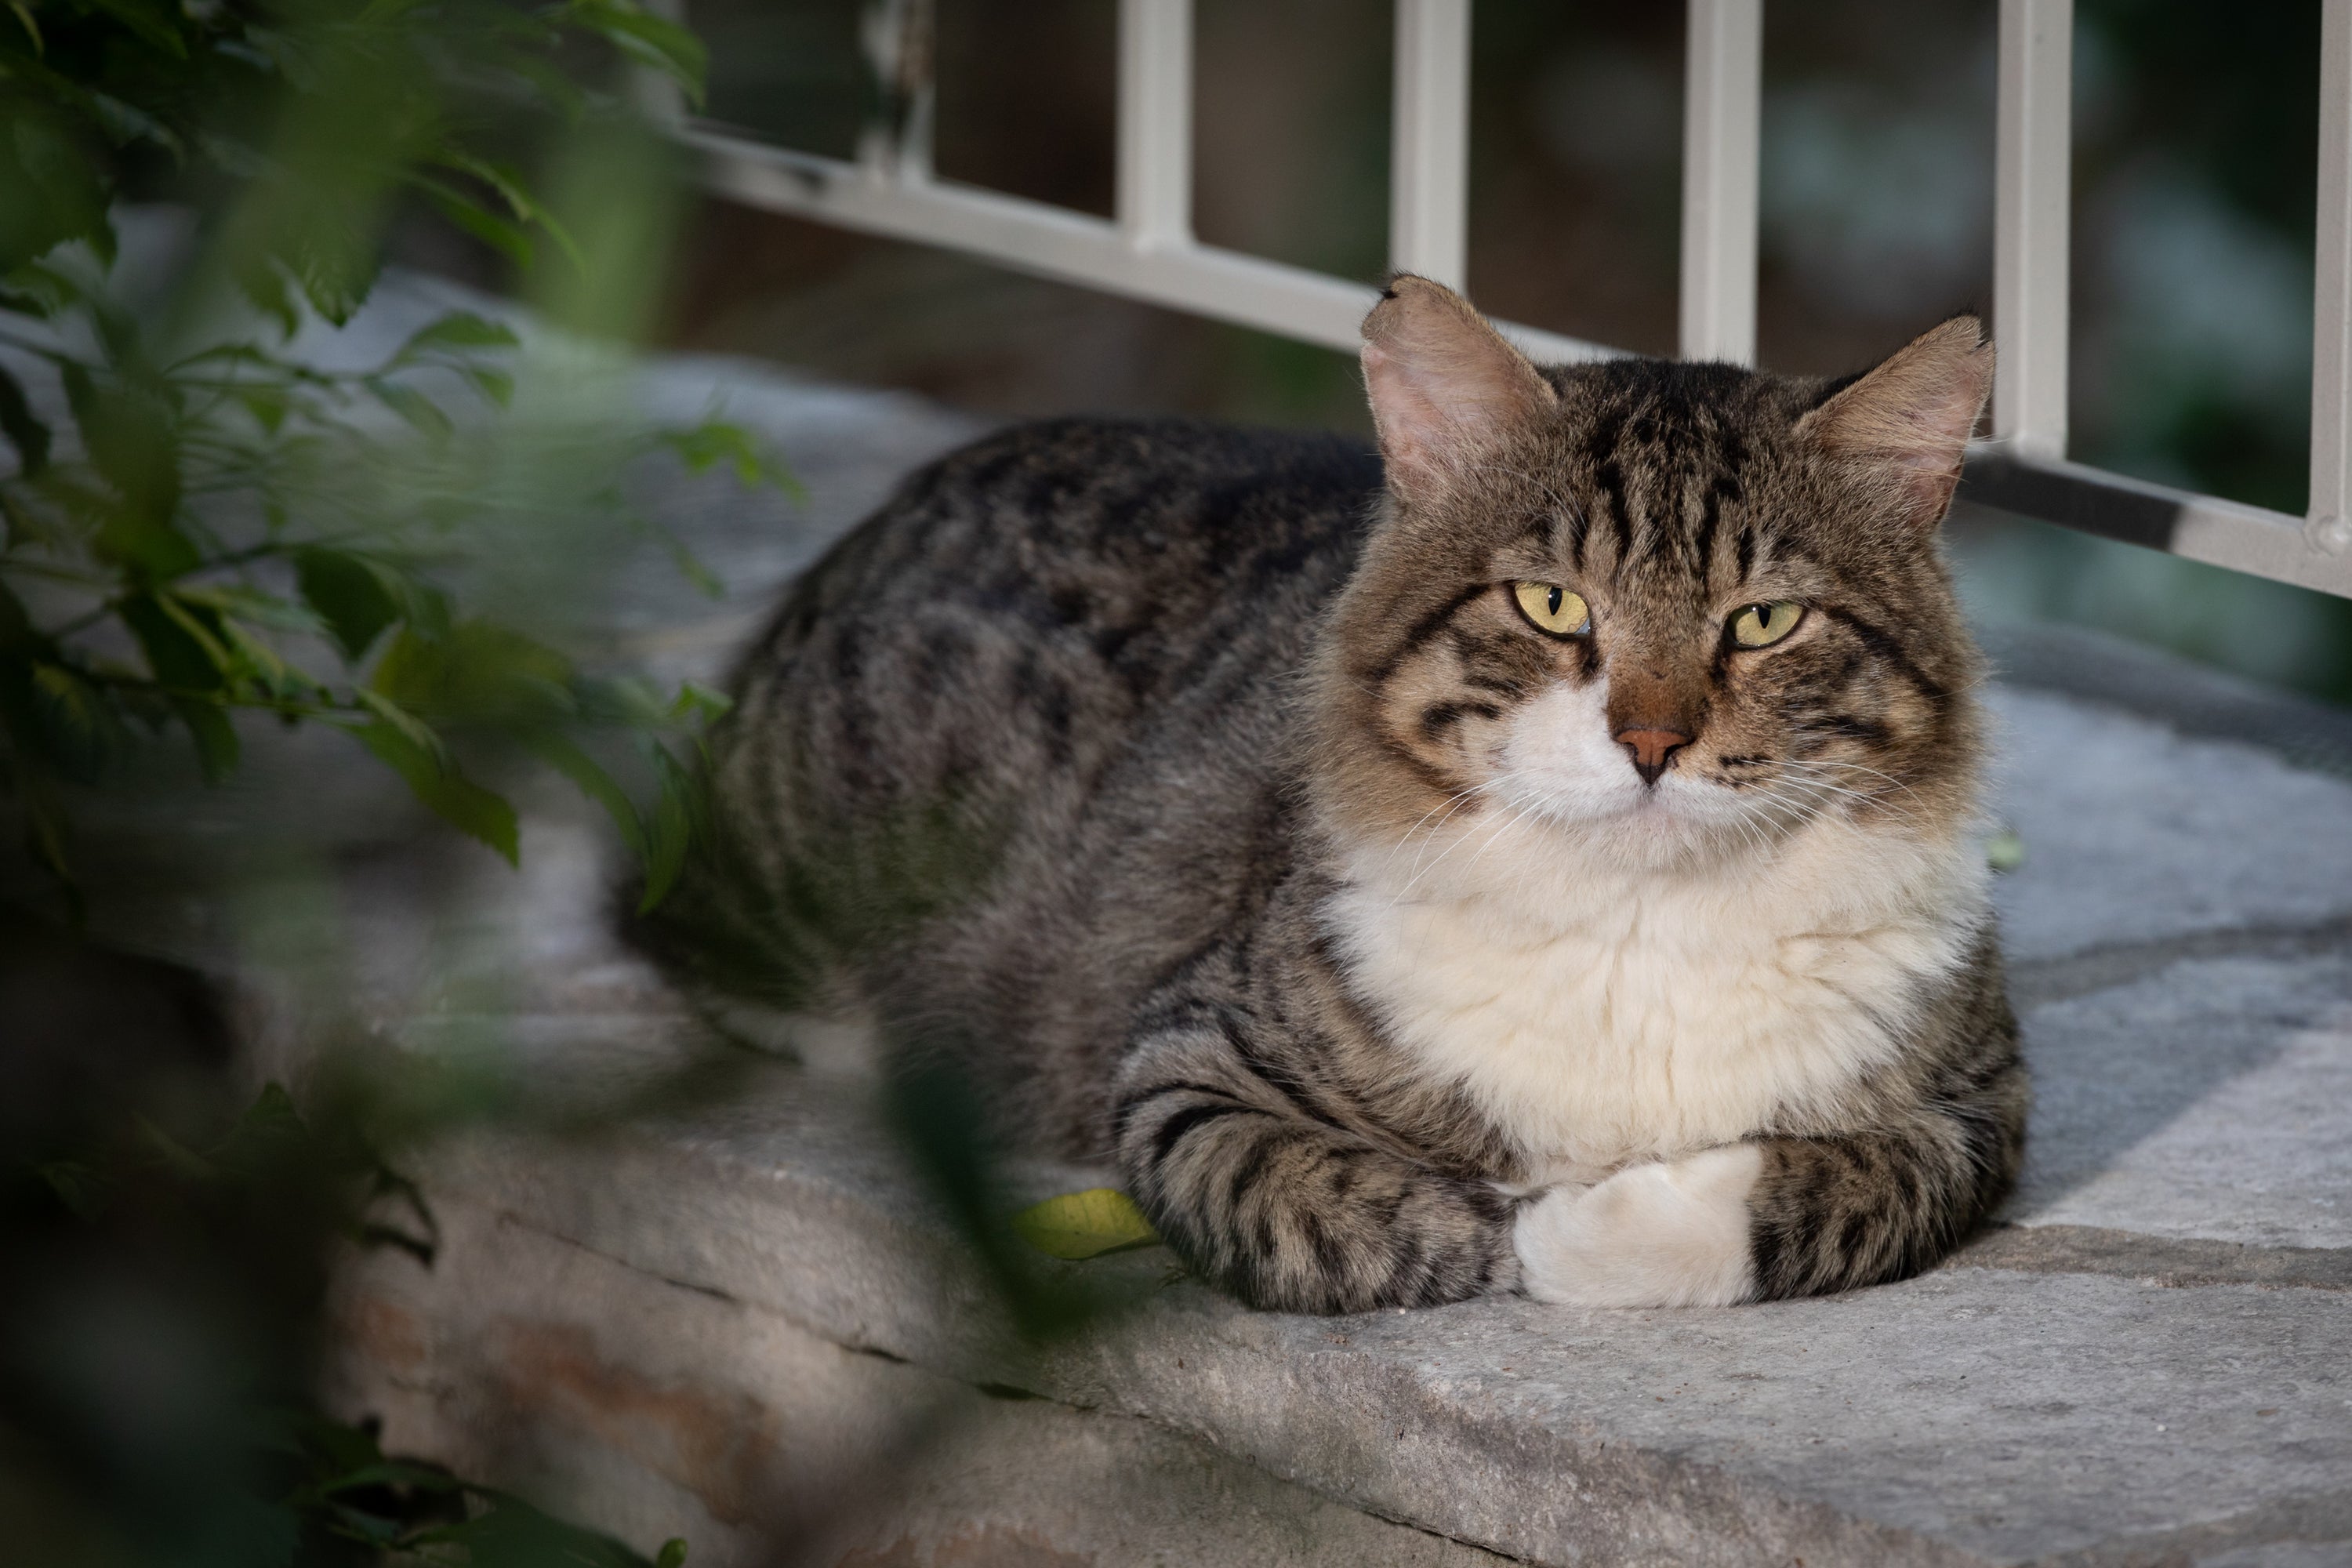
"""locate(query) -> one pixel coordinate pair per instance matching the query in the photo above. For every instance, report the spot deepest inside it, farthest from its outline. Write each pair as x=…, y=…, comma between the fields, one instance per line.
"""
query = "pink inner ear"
x=1413, y=426
x=1914, y=413
x=1443, y=384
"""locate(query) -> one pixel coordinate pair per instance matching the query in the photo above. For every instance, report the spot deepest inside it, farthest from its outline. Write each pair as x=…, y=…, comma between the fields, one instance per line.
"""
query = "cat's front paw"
x=1668, y=1233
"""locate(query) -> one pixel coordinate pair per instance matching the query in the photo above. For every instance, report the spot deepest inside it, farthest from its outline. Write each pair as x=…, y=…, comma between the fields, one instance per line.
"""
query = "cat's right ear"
x=1445, y=388
x=1907, y=423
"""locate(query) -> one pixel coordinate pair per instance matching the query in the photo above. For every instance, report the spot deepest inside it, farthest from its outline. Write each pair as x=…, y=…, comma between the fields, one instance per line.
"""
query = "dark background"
x=2195, y=164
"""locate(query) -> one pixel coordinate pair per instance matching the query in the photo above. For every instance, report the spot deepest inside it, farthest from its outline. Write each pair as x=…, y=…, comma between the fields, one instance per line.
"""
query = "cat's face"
x=1675, y=611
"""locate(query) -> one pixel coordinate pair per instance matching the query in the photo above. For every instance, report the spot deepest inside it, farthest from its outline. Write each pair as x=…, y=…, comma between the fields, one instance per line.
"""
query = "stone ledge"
x=659, y=1410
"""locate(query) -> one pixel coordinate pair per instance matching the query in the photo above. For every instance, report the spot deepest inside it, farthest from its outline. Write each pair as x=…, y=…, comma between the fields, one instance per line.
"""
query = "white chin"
x=1654, y=828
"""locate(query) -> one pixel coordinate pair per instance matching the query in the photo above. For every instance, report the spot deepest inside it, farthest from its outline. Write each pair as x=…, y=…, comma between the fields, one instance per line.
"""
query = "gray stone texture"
x=743, y=1309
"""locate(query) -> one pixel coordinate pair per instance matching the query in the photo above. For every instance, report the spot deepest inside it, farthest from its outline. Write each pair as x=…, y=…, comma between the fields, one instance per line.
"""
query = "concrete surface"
x=743, y=1316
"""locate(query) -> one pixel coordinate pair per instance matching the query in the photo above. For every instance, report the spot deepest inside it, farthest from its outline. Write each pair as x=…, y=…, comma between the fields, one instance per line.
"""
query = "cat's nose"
x=1653, y=750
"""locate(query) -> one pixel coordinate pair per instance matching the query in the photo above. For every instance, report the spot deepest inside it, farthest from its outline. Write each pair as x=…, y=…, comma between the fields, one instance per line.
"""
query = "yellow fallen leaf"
x=2005, y=850
x=1084, y=1224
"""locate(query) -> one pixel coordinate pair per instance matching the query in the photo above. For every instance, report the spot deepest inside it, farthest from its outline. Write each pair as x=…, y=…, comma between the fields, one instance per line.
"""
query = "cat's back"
x=1014, y=744
x=1022, y=607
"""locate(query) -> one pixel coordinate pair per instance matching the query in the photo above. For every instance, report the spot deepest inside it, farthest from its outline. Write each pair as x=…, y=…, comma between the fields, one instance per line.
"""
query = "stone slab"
x=651, y=1411
x=1972, y=1415
x=2207, y=1100
x=2137, y=835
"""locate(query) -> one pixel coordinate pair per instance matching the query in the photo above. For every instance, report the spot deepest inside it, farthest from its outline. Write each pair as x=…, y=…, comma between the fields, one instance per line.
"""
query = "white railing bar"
x=2034, y=160
x=1429, y=145
x=1155, y=121
x=1722, y=123
x=897, y=38
x=2202, y=528
x=2331, y=349
x=1054, y=242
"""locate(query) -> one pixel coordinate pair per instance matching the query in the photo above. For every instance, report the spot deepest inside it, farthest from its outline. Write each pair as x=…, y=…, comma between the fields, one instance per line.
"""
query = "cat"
x=1535, y=856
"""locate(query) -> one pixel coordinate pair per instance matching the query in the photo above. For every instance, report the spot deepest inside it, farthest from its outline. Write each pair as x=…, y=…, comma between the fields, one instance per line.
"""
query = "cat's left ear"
x=1908, y=421
x=1445, y=388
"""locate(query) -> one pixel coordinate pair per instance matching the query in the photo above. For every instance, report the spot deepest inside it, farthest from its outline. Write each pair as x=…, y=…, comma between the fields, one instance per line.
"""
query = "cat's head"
x=1676, y=611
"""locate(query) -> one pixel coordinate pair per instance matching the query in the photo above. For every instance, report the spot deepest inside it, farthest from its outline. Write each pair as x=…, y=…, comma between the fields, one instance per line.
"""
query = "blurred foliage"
x=214, y=1457
x=219, y=512
x=201, y=520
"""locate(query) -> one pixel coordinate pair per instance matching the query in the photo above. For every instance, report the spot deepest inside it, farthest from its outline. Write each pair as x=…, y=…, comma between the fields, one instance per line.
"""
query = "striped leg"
x=1260, y=1188
x=1835, y=1214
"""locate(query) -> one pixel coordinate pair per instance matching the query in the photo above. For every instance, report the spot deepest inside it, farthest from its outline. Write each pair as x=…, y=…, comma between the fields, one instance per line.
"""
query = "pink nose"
x=1653, y=750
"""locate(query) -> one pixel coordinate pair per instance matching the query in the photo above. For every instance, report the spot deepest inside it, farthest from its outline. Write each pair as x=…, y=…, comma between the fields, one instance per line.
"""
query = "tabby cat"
x=1535, y=857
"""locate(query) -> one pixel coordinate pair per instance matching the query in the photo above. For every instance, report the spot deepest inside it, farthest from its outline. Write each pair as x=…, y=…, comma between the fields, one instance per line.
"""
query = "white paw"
x=1668, y=1233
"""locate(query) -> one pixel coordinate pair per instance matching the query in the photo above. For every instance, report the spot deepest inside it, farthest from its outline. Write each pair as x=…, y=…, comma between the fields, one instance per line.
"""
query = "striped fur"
x=1209, y=798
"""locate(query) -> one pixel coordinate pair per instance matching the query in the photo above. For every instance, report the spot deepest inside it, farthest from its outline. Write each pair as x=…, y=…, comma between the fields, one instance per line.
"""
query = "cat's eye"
x=1761, y=625
x=1553, y=609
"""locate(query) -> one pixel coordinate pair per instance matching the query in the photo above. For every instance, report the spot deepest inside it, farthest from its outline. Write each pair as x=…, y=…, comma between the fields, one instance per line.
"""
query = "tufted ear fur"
x=1909, y=420
x=1445, y=386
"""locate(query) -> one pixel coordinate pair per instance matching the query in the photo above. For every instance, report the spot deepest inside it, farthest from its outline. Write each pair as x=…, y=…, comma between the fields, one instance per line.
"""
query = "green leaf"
x=350, y=594
x=421, y=412
x=682, y=556
x=695, y=701
x=508, y=239
x=216, y=738
x=673, y=828
x=494, y=385
x=261, y=665
x=415, y=730
x=23, y=13
x=27, y=433
x=392, y=1473
x=124, y=124
x=77, y=726
x=559, y=752
x=176, y=658
x=56, y=190
x=672, y=1554
x=478, y=671
x=46, y=831
x=267, y=405
x=703, y=446
x=558, y=91
x=153, y=547
x=129, y=434
x=263, y=282
x=456, y=800
x=1079, y=1225
x=509, y=185
x=650, y=40
x=152, y=22
x=202, y=623
x=253, y=606
x=47, y=290
x=459, y=329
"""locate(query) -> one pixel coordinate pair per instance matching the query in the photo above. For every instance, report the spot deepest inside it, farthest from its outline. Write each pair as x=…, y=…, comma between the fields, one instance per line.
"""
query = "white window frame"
x=1147, y=250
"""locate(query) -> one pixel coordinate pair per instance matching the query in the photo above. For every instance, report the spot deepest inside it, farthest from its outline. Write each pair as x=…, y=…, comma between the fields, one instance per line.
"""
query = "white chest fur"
x=1601, y=1016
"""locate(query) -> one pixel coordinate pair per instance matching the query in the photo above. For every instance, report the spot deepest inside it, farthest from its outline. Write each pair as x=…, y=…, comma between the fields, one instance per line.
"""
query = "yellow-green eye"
x=1761, y=625
x=1553, y=609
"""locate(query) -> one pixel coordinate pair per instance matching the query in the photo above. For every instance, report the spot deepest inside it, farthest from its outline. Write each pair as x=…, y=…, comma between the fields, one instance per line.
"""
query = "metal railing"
x=1147, y=250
